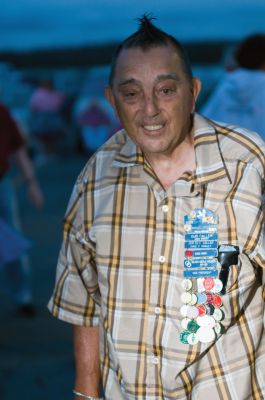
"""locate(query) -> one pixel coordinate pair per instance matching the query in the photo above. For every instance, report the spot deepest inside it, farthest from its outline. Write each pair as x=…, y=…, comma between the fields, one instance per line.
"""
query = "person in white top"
x=240, y=97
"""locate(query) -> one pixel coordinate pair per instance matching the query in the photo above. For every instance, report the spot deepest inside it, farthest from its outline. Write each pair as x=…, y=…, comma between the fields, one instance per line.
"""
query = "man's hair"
x=250, y=53
x=148, y=36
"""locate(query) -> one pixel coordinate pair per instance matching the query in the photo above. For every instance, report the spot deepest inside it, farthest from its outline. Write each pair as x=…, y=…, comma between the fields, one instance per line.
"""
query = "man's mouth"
x=151, y=128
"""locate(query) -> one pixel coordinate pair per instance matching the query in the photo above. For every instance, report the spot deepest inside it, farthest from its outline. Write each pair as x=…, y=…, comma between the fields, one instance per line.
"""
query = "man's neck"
x=169, y=168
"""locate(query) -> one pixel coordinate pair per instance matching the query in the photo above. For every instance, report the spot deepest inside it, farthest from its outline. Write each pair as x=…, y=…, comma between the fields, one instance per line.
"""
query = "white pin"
x=205, y=335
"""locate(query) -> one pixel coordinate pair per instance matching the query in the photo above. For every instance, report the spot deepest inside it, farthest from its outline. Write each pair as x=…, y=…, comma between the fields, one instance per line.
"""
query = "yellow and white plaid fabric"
x=121, y=267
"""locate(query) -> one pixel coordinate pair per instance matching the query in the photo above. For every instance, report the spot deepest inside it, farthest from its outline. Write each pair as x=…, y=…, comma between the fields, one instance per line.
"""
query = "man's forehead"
x=162, y=60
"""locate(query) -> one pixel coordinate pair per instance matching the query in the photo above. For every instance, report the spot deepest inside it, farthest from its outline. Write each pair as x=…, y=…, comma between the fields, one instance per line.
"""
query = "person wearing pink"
x=47, y=123
x=45, y=98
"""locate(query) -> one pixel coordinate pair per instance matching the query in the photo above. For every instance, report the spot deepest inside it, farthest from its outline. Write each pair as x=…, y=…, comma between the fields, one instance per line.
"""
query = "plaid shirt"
x=121, y=267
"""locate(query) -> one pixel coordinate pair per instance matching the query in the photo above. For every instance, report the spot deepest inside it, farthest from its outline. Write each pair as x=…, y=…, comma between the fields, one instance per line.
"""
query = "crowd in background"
x=65, y=111
x=41, y=120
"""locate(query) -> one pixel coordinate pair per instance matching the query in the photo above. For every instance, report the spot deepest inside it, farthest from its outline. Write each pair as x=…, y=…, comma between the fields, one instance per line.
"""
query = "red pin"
x=217, y=301
x=208, y=283
x=188, y=253
x=201, y=309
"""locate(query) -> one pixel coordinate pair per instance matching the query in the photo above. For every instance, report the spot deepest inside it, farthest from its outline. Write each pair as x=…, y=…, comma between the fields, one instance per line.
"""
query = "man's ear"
x=109, y=96
x=196, y=88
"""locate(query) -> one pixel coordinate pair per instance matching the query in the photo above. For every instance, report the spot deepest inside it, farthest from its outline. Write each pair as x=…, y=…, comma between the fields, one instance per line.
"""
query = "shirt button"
x=162, y=259
x=155, y=360
x=165, y=208
x=157, y=310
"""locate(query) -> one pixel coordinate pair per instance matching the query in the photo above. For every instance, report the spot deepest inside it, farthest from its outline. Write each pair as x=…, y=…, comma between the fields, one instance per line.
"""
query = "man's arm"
x=24, y=163
x=86, y=352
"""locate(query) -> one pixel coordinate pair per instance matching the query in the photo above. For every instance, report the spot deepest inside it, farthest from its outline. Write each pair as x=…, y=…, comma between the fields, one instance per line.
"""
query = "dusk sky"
x=36, y=24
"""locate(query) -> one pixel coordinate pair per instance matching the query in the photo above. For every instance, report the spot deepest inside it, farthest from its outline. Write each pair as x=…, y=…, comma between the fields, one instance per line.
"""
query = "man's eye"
x=167, y=90
x=130, y=94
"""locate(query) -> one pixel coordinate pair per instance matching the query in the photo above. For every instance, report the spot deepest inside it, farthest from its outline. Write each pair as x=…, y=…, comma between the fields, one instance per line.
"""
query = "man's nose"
x=151, y=108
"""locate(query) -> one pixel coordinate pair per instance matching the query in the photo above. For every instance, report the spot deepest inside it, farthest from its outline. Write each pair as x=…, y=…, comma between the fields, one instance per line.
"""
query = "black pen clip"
x=227, y=256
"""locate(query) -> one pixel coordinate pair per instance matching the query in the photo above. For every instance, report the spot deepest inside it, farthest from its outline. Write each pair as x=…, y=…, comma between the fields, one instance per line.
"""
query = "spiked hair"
x=148, y=36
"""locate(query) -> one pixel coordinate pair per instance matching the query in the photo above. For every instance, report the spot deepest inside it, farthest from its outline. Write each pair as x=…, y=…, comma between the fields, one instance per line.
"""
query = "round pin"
x=187, y=228
x=192, y=326
x=209, y=309
x=208, y=283
x=192, y=312
x=201, y=309
x=200, y=287
x=183, y=310
x=218, y=328
x=205, y=335
x=217, y=301
x=184, y=323
x=188, y=253
x=206, y=321
x=218, y=286
x=193, y=300
x=184, y=337
x=186, y=284
x=218, y=314
x=193, y=338
x=209, y=297
x=185, y=297
x=201, y=298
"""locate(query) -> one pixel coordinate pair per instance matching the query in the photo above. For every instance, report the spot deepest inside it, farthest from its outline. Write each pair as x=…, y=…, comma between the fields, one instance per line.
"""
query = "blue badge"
x=201, y=253
x=191, y=237
x=201, y=243
x=200, y=263
x=200, y=273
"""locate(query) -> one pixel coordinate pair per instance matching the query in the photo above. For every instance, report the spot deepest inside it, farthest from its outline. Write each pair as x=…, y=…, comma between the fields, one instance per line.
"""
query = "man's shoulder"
x=237, y=136
x=101, y=163
x=238, y=143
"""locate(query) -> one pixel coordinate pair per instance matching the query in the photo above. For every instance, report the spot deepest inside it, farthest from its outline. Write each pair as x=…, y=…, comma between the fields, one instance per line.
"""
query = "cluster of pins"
x=201, y=310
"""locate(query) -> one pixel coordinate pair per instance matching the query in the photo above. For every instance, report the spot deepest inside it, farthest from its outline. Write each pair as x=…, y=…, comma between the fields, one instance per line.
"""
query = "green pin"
x=184, y=337
x=192, y=326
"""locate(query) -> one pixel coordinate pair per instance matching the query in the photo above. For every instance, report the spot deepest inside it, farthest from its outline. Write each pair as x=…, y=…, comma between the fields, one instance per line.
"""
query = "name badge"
x=202, y=302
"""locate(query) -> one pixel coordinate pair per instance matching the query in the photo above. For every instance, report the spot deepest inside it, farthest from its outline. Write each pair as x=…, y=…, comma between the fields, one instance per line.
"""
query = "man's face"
x=153, y=98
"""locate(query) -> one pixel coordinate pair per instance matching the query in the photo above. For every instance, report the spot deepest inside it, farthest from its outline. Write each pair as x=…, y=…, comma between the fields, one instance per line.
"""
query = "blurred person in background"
x=240, y=96
x=47, y=119
x=155, y=315
x=13, y=245
x=13, y=148
x=95, y=126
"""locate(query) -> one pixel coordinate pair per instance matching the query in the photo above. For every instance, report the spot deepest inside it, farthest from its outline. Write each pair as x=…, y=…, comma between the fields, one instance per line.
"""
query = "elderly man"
x=160, y=270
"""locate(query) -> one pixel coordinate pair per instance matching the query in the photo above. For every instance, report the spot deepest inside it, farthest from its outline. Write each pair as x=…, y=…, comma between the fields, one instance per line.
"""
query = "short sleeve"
x=76, y=296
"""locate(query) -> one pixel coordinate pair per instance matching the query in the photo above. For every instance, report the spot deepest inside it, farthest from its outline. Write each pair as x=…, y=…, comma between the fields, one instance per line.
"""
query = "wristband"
x=84, y=396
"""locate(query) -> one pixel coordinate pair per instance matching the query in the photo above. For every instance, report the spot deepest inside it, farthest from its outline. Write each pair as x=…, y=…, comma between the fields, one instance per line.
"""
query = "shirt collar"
x=129, y=155
x=210, y=164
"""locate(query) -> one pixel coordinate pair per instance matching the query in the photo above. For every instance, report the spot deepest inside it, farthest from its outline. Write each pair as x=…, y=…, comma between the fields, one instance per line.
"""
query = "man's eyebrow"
x=159, y=78
x=128, y=81
x=163, y=77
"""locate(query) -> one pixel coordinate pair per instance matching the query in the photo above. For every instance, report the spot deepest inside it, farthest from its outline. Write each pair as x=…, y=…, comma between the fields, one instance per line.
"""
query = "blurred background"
x=54, y=63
